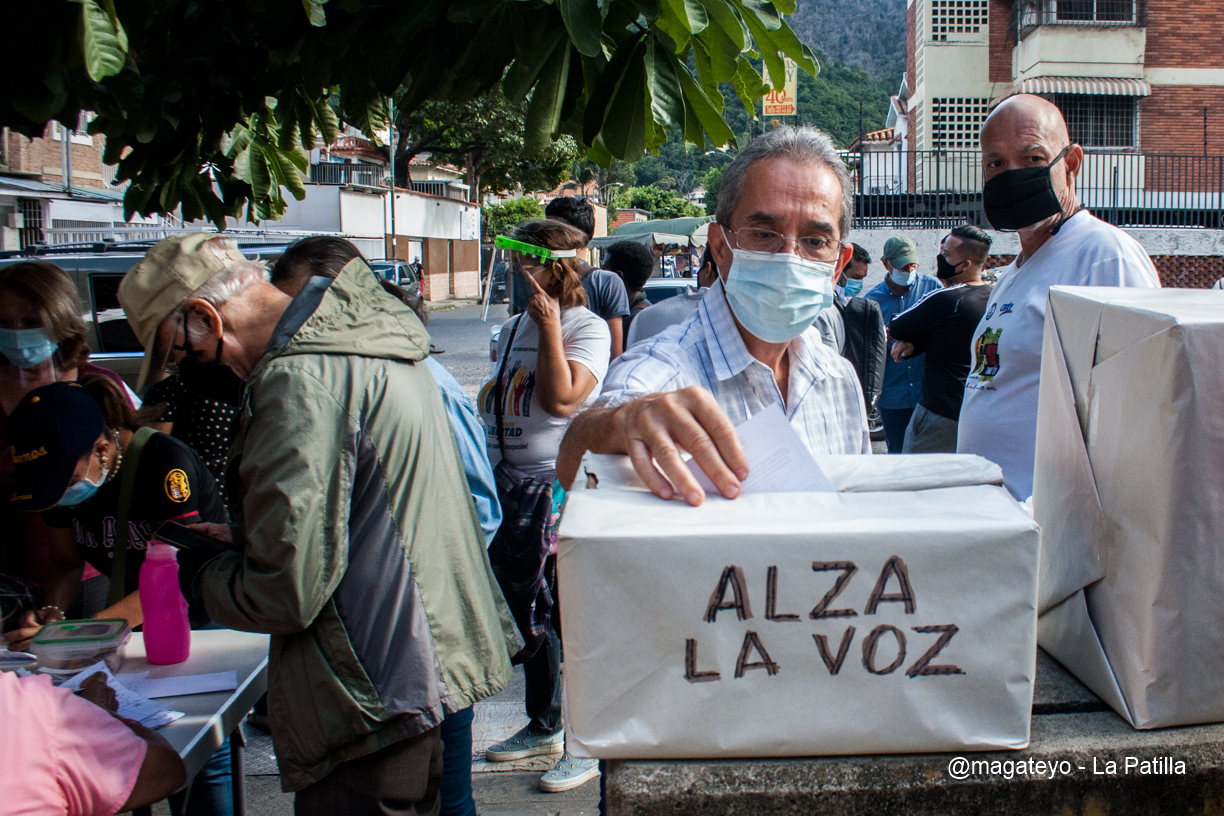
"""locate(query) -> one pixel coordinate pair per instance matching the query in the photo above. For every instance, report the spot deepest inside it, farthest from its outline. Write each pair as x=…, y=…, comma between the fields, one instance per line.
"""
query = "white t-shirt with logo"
x=533, y=437
x=998, y=417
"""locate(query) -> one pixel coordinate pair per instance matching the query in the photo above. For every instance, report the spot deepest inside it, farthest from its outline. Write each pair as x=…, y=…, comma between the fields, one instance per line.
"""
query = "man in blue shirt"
x=901, y=288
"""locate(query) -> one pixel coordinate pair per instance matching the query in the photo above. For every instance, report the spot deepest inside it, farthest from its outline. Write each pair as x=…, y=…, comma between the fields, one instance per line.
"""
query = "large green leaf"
x=287, y=168
x=605, y=88
x=749, y=86
x=544, y=112
x=690, y=13
x=104, y=46
x=526, y=68
x=584, y=21
x=624, y=128
x=314, y=12
x=666, y=98
x=711, y=119
x=765, y=45
x=763, y=11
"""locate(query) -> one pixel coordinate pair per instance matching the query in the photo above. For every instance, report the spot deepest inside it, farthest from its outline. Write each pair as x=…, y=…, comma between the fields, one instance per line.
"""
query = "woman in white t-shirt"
x=550, y=362
x=558, y=357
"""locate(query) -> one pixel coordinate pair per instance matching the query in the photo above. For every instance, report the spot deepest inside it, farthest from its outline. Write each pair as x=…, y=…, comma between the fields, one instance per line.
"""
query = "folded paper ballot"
x=799, y=624
x=778, y=461
x=1128, y=486
x=180, y=686
x=132, y=706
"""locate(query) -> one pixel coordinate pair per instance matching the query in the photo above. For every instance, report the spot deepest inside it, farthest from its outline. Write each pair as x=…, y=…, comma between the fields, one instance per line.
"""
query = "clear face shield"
x=29, y=358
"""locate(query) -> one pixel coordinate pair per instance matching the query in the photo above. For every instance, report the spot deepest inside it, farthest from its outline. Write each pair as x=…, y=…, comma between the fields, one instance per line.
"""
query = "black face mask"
x=210, y=380
x=944, y=268
x=1016, y=199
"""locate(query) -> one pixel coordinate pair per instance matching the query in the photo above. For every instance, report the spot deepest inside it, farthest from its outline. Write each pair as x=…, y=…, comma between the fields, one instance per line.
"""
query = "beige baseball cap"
x=164, y=280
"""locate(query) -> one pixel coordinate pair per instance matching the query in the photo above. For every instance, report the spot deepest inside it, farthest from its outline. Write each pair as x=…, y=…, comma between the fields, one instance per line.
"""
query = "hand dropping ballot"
x=851, y=604
x=778, y=461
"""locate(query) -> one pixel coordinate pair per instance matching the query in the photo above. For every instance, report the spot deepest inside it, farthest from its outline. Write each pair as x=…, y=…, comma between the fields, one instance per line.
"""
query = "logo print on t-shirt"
x=1006, y=309
x=177, y=487
x=986, y=352
x=516, y=393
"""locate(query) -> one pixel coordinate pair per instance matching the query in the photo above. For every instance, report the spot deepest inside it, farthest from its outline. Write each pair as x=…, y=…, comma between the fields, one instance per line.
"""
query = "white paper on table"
x=132, y=706
x=180, y=686
x=778, y=461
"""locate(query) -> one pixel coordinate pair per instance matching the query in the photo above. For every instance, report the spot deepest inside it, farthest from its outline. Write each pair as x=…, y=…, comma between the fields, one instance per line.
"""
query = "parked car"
x=96, y=269
x=400, y=273
x=658, y=289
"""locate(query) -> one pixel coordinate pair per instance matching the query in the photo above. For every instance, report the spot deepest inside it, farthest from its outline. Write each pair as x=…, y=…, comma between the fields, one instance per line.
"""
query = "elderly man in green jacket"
x=363, y=556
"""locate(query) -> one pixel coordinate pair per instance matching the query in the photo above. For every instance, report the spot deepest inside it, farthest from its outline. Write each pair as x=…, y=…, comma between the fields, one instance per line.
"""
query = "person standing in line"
x=605, y=292
x=850, y=284
x=900, y=290
x=1029, y=168
x=941, y=327
x=361, y=551
x=327, y=256
x=676, y=309
x=551, y=361
x=635, y=264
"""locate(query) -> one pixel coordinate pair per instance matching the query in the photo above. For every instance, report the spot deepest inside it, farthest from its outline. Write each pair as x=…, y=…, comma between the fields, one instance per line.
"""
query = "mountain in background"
x=866, y=34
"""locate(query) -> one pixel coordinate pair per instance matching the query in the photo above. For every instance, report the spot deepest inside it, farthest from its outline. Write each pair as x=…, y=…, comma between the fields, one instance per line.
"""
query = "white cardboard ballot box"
x=798, y=624
x=1129, y=489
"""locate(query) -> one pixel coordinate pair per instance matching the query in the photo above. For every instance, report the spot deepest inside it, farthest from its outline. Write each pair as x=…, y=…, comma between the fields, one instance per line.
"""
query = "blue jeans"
x=212, y=790
x=896, y=420
x=456, y=793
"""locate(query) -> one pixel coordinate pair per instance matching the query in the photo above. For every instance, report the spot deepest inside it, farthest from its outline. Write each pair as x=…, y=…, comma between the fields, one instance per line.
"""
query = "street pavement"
x=463, y=339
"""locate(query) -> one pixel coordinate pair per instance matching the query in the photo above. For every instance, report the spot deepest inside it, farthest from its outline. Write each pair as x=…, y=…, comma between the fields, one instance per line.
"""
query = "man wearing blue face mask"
x=900, y=290
x=784, y=206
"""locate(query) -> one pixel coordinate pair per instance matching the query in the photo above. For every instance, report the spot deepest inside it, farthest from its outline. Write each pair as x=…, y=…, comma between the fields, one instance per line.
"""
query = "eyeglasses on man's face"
x=812, y=247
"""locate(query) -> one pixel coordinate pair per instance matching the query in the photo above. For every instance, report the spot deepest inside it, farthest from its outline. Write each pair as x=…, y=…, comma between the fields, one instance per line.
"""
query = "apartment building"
x=1129, y=75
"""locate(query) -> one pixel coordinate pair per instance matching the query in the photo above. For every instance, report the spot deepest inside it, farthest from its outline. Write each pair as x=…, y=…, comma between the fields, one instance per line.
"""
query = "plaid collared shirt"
x=826, y=404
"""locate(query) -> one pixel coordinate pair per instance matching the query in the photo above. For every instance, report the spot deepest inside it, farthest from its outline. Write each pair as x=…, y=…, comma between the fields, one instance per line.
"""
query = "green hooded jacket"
x=365, y=560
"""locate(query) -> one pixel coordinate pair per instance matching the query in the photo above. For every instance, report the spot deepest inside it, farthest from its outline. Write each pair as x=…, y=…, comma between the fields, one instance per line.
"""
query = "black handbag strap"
x=127, y=486
x=498, y=409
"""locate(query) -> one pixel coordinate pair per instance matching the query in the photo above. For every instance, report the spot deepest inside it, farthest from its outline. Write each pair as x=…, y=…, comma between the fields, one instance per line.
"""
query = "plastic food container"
x=65, y=647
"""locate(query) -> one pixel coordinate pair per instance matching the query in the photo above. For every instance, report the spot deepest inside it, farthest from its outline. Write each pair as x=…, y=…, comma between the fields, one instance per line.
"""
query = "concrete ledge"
x=1073, y=776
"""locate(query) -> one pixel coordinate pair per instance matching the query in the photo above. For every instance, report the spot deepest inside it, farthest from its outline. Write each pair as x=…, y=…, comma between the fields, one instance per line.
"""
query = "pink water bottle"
x=167, y=632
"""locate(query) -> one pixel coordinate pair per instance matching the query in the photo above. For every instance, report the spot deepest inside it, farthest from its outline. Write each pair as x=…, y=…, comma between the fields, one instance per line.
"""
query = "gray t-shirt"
x=605, y=291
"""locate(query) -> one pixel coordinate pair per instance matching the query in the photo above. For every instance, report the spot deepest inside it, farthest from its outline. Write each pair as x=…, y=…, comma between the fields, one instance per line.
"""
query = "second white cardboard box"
x=799, y=624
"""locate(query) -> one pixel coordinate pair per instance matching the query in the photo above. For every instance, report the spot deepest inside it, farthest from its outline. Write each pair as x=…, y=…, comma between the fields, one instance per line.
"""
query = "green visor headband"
x=543, y=253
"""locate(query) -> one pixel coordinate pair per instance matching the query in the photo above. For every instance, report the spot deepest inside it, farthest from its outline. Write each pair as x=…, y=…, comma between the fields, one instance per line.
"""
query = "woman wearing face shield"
x=72, y=443
x=42, y=340
x=550, y=361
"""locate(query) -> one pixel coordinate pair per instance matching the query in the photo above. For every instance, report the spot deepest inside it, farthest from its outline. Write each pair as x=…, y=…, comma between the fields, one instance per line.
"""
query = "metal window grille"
x=1098, y=120
x=1094, y=11
x=956, y=121
x=958, y=17
x=31, y=221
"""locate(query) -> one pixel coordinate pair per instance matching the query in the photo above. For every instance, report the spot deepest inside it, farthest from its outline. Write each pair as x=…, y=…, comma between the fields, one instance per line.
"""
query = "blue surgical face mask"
x=26, y=348
x=776, y=296
x=902, y=278
x=853, y=287
x=81, y=491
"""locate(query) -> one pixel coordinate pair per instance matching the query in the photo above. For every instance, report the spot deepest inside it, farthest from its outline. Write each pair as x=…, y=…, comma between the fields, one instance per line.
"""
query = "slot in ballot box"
x=1129, y=488
x=897, y=614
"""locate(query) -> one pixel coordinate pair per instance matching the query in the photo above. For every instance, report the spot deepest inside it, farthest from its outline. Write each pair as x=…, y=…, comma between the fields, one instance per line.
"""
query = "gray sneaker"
x=569, y=773
x=524, y=744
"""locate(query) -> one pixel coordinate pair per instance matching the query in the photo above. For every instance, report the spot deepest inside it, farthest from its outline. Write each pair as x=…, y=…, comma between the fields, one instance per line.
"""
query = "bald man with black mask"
x=1029, y=167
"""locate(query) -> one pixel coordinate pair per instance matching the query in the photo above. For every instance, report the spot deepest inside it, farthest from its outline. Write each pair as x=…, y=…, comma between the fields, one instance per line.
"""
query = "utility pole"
x=391, y=146
x=65, y=157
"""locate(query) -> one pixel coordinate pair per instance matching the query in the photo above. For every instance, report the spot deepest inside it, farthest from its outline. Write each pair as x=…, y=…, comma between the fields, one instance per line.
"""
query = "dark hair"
x=555, y=234
x=707, y=257
x=59, y=306
x=117, y=412
x=975, y=242
x=317, y=255
x=326, y=255
x=575, y=211
x=633, y=261
x=861, y=255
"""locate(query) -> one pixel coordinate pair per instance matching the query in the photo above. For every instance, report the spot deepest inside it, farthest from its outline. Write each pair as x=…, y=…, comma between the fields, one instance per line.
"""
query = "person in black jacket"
x=942, y=326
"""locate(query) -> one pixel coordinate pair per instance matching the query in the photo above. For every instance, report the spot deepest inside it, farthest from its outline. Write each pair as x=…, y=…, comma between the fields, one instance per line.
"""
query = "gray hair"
x=804, y=145
x=233, y=280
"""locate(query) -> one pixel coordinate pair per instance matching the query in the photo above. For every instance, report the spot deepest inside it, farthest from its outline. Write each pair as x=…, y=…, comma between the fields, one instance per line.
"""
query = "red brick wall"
x=1176, y=271
x=1171, y=119
x=32, y=155
x=1184, y=34
x=1000, y=45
